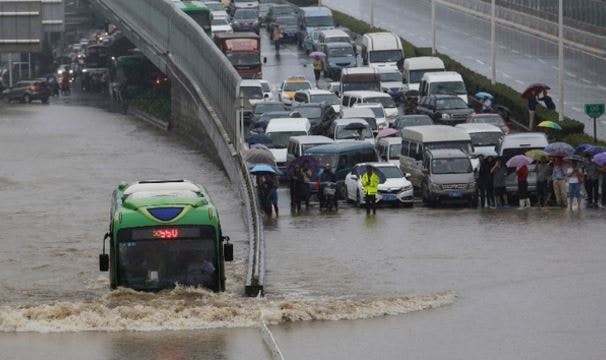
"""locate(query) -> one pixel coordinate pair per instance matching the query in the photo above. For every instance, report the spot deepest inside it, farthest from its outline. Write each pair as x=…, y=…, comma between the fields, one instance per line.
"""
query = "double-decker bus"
x=164, y=233
x=198, y=11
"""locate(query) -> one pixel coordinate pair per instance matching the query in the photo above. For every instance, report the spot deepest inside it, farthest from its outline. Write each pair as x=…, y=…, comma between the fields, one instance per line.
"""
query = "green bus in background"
x=164, y=233
x=198, y=11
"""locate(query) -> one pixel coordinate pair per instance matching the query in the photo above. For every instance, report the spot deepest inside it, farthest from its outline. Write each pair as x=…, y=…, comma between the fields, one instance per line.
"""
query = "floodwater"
x=420, y=283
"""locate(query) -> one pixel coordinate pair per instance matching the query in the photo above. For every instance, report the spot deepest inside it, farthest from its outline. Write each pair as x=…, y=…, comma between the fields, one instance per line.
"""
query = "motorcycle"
x=328, y=200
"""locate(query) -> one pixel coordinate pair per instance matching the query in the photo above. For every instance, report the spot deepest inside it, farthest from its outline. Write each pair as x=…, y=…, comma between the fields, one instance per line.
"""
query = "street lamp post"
x=372, y=13
x=493, y=45
x=561, y=58
x=433, y=27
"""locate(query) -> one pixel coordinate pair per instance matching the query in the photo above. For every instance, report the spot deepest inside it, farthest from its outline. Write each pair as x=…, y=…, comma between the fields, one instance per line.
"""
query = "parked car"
x=317, y=96
x=278, y=10
x=290, y=86
x=217, y=9
x=28, y=90
x=489, y=118
x=341, y=132
x=389, y=149
x=339, y=55
x=411, y=120
x=484, y=138
x=444, y=109
x=288, y=25
x=266, y=106
x=396, y=189
x=263, y=11
x=267, y=93
x=220, y=24
x=311, y=42
x=261, y=123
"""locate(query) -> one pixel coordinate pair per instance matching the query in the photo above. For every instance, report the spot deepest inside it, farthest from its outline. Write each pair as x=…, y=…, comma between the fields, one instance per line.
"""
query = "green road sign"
x=594, y=110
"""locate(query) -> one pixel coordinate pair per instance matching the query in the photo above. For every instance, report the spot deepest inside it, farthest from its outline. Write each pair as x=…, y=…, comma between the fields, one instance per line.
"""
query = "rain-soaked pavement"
x=461, y=283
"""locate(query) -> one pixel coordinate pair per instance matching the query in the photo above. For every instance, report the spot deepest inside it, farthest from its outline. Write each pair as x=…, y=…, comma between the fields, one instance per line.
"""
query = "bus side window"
x=345, y=101
x=369, y=155
x=342, y=162
x=413, y=151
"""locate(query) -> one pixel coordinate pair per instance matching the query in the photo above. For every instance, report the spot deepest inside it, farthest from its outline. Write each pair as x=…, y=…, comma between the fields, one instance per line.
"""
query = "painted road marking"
x=515, y=51
x=520, y=82
x=576, y=109
x=585, y=81
x=528, y=56
x=506, y=76
x=503, y=47
x=480, y=62
x=554, y=67
x=601, y=87
x=571, y=75
x=542, y=61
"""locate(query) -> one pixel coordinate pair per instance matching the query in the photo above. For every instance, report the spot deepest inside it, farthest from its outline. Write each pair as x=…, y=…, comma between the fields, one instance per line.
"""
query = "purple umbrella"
x=600, y=159
x=518, y=161
x=559, y=149
x=595, y=150
x=387, y=133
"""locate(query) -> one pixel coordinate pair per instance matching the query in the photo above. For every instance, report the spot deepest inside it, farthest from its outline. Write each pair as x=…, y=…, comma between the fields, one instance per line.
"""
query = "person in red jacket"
x=522, y=173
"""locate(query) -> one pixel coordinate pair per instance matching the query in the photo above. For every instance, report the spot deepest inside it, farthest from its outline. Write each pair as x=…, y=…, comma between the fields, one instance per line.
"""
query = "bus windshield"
x=201, y=17
x=417, y=75
x=147, y=261
x=366, y=85
x=451, y=166
x=243, y=59
x=448, y=88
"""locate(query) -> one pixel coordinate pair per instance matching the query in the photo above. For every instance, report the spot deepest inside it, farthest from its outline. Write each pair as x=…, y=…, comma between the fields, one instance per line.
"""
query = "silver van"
x=416, y=140
x=518, y=144
x=448, y=176
x=298, y=144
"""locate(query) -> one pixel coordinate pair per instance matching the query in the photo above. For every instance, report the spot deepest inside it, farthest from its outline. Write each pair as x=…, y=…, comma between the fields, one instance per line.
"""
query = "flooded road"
x=460, y=283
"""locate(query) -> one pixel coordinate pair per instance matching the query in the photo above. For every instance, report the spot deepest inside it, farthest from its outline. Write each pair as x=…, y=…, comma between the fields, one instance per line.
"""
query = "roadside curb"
x=150, y=119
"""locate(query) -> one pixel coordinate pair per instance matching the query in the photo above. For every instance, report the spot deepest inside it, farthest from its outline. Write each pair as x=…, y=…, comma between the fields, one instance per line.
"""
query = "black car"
x=261, y=123
x=28, y=90
x=263, y=107
x=411, y=120
x=288, y=24
x=444, y=109
x=278, y=10
x=320, y=116
x=245, y=20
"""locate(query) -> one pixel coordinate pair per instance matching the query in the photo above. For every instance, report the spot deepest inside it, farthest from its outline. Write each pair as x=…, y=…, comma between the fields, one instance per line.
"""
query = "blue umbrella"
x=583, y=148
x=559, y=149
x=595, y=150
x=258, y=139
x=483, y=95
x=263, y=169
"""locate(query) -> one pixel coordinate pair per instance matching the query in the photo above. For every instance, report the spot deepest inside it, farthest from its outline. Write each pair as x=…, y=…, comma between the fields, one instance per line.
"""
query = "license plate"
x=389, y=197
x=455, y=194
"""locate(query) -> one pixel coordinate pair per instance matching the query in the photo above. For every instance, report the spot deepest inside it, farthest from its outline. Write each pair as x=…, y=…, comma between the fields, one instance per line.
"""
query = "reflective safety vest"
x=370, y=184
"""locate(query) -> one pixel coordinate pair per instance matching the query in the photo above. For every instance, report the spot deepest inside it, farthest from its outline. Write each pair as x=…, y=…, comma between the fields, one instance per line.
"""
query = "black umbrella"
x=363, y=168
x=537, y=88
x=355, y=126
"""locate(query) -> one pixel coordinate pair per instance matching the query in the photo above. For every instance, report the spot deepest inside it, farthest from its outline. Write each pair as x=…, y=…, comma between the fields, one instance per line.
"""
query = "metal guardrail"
x=171, y=39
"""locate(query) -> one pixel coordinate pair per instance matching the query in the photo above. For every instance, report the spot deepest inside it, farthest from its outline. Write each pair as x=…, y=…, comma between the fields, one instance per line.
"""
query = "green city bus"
x=164, y=233
x=198, y=11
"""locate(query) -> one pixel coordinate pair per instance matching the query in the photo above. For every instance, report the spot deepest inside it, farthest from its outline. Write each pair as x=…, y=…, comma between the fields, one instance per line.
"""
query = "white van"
x=414, y=68
x=417, y=139
x=333, y=35
x=443, y=83
x=381, y=49
x=339, y=133
x=298, y=144
x=389, y=149
x=378, y=113
x=518, y=144
x=358, y=79
x=279, y=130
x=350, y=98
x=484, y=137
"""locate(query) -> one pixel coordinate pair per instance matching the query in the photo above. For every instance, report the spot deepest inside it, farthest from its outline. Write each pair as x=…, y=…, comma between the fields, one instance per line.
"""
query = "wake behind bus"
x=163, y=233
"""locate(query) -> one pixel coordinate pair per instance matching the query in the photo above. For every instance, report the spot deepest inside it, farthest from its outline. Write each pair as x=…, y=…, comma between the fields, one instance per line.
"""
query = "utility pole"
x=433, y=27
x=493, y=43
x=561, y=58
x=372, y=13
x=10, y=70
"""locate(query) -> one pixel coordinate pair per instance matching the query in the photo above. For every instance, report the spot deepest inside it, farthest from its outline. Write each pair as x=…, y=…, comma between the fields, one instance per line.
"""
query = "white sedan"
x=219, y=25
x=395, y=190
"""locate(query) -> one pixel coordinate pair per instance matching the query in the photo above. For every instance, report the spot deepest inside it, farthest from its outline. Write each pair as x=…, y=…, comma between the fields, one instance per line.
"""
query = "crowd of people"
x=559, y=182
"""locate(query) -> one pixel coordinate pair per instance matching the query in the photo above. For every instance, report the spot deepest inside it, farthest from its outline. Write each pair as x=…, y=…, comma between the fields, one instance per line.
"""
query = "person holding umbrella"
x=543, y=174
x=546, y=99
x=317, y=69
x=370, y=185
x=532, y=108
x=558, y=177
x=499, y=176
x=574, y=178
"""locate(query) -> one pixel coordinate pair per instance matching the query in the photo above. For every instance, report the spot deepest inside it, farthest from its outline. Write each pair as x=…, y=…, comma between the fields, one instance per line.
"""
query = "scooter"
x=328, y=200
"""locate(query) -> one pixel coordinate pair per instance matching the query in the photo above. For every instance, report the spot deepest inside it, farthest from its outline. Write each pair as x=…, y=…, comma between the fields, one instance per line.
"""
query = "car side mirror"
x=407, y=175
x=264, y=59
x=228, y=249
x=103, y=262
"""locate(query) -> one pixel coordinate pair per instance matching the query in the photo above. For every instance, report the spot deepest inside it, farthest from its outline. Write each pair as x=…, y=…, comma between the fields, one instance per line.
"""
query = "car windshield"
x=272, y=115
x=323, y=158
x=309, y=112
x=464, y=146
x=330, y=99
x=215, y=6
x=494, y=120
x=377, y=111
x=265, y=87
x=447, y=88
x=385, y=56
x=387, y=101
x=287, y=20
x=201, y=18
x=279, y=139
x=417, y=75
x=294, y=86
x=282, y=10
x=391, y=76
x=391, y=172
x=261, y=108
x=394, y=151
x=340, y=51
x=245, y=15
x=355, y=86
x=251, y=92
x=489, y=138
x=309, y=146
x=413, y=121
x=264, y=8
x=343, y=133
x=451, y=166
x=220, y=21
x=450, y=103
x=243, y=59
x=336, y=39
x=316, y=21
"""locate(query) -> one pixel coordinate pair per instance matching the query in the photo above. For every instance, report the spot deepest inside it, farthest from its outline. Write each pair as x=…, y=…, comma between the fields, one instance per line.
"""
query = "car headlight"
x=407, y=188
x=434, y=186
x=445, y=116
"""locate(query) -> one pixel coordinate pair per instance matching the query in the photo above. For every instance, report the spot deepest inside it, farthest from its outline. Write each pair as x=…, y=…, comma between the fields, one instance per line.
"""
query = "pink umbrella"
x=315, y=54
x=518, y=161
x=387, y=133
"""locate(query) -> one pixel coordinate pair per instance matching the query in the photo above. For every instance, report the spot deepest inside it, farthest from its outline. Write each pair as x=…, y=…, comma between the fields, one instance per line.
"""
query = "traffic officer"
x=370, y=185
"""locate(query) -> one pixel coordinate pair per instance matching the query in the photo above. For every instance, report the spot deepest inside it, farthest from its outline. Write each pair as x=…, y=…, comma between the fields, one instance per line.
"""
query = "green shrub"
x=156, y=102
x=578, y=139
